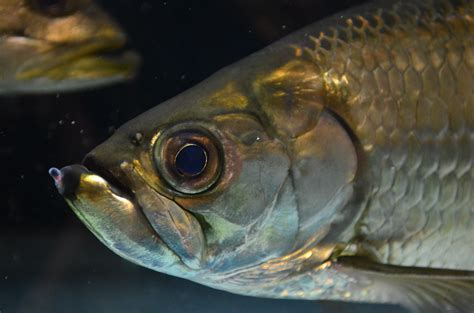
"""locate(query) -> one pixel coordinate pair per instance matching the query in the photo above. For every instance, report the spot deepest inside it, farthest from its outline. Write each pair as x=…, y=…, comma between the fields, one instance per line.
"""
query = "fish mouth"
x=78, y=182
x=96, y=60
x=113, y=216
x=120, y=218
x=116, y=185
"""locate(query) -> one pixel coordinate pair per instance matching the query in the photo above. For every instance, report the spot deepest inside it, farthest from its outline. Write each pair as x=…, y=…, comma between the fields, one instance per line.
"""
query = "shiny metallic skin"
x=347, y=171
x=409, y=101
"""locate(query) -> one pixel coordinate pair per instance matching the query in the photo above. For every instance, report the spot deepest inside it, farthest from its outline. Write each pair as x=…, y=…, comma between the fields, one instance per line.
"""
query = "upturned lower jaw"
x=116, y=221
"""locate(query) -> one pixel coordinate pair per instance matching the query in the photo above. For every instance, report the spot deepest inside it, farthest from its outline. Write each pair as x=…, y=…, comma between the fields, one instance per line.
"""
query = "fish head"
x=59, y=45
x=204, y=185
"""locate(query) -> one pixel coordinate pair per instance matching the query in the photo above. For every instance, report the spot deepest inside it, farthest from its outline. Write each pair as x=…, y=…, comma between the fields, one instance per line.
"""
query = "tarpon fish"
x=337, y=164
x=59, y=45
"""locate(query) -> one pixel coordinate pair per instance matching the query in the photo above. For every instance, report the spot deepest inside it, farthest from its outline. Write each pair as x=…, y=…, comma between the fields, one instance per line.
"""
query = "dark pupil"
x=191, y=160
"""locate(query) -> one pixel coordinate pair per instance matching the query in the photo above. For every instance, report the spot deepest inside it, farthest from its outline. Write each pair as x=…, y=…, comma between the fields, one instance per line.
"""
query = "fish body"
x=49, y=46
x=338, y=163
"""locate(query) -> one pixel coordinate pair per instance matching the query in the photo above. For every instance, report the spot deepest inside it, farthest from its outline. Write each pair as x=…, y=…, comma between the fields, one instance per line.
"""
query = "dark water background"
x=49, y=262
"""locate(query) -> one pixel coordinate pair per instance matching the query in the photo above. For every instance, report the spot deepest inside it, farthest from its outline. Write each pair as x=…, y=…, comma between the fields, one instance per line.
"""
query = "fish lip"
x=116, y=185
x=92, y=185
x=113, y=50
x=120, y=189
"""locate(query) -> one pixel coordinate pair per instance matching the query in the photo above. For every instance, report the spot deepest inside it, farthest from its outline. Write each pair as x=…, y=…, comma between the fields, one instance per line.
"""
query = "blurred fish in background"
x=60, y=45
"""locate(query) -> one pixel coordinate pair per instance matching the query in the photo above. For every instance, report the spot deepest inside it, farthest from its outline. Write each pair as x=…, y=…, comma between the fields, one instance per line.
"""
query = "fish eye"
x=56, y=8
x=188, y=159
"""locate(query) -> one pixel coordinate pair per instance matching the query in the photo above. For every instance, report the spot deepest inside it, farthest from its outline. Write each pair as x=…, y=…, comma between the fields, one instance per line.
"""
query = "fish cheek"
x=263, y=170
x=254, y=169
x=258, y=165
x=246, y=198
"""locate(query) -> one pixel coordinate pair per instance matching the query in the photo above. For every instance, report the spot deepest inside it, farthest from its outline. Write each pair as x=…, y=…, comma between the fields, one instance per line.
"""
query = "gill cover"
x=294, y=99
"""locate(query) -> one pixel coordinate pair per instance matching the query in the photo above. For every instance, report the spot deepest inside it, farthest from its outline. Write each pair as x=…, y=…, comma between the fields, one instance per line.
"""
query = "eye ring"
x=188, y=158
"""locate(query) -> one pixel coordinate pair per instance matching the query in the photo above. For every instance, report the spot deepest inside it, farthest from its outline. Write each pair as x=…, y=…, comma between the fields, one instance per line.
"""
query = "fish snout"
x=67, y=179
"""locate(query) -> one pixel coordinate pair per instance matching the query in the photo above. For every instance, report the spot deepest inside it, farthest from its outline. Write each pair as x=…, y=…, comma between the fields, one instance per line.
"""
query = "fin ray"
x=418, y=289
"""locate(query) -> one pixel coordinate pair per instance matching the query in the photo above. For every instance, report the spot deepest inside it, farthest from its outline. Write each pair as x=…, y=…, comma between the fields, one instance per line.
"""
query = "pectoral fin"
x=418, y=289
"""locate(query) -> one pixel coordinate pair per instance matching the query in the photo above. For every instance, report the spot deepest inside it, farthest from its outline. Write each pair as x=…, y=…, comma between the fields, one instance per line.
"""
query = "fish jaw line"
x=177, y=228
x=118, y=222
